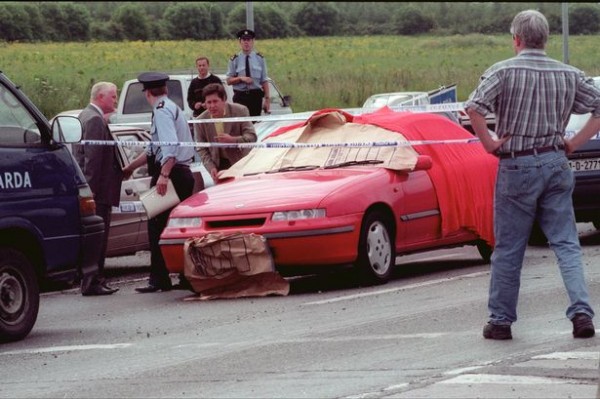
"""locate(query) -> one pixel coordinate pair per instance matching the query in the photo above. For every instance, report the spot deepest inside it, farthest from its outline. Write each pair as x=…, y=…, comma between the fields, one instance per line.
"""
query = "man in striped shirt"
x=532, y=97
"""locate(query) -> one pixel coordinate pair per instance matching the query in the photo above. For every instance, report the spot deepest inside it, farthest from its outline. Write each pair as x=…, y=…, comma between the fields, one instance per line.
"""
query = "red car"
x=320, y=203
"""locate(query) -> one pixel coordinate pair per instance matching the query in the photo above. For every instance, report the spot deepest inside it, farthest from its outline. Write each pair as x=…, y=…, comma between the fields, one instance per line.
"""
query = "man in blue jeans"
x=533, y=96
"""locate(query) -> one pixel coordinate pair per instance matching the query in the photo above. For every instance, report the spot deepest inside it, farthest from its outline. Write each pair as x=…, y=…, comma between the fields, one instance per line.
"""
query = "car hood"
x=274, y=192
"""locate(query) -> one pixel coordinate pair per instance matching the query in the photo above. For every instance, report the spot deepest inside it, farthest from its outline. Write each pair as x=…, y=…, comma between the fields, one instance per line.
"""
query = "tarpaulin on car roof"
x=321, y=130
x=463, y=175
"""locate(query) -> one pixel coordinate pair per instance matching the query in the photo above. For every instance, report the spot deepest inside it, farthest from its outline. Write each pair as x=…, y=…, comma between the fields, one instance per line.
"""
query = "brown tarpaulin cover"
x=231, y=266
x=322, y=129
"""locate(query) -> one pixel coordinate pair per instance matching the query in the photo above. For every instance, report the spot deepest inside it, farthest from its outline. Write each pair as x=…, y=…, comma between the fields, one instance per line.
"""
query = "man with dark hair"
x=205, y=77
x=172, y=162
x=216, y=159
x=532, y=97
x=247, y=73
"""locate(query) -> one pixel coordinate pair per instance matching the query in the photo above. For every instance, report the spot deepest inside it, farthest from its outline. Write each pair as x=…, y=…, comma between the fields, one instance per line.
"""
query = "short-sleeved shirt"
x=169, y=124
x=258, y=70
x=533, y=97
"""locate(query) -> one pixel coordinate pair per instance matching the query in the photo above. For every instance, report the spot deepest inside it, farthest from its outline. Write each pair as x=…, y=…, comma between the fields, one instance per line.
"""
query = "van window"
x=16, y=123
x=135, y=100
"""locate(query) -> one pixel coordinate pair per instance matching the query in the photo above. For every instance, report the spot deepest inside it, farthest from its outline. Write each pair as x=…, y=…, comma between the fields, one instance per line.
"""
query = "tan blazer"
x=206, y=133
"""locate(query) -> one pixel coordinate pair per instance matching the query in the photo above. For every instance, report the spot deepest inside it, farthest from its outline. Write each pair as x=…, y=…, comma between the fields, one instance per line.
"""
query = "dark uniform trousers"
x=183, y=181
x=252, y=99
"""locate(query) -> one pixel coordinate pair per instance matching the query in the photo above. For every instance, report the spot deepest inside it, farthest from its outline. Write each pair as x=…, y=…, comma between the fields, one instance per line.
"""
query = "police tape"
x=430, y=108
x=274, y=144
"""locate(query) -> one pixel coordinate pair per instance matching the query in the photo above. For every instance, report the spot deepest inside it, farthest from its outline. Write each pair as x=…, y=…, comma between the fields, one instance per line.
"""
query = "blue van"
x=49, y=231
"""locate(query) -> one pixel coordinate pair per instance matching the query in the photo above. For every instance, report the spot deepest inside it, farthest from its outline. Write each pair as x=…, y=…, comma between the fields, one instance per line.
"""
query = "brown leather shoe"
x=497, y=331
x=583, y=326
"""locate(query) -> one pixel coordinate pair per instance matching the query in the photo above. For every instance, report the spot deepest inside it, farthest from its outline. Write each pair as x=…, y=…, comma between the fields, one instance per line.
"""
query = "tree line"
x=117, y=21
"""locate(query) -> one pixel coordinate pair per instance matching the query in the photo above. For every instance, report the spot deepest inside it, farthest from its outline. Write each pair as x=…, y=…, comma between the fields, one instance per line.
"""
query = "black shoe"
x=153, y=288
x=183, y=285
x=497, y=331
x=99, y=289
x=583, y=326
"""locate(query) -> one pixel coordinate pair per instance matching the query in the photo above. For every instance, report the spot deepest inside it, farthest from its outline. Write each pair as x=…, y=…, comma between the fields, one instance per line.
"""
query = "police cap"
x=151, y=80
x=246, y=34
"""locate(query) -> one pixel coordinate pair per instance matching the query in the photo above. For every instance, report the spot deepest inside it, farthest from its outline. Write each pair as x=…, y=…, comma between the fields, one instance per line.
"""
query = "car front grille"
x=220, y=224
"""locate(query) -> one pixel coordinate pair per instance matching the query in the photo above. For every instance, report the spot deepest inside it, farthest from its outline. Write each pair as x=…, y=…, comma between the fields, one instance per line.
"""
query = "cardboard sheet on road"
x=220, y=266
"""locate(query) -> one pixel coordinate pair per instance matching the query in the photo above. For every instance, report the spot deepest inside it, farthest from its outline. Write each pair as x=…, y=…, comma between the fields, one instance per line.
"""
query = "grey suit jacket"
x=206, y=133
x=99, y=163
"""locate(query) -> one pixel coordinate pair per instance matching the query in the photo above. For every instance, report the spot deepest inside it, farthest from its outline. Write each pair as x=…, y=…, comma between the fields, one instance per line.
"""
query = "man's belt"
x=532, y=151
x=251, y=91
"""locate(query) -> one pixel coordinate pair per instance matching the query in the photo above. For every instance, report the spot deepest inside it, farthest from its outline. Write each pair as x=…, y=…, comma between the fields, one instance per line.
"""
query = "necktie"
x=248, y=65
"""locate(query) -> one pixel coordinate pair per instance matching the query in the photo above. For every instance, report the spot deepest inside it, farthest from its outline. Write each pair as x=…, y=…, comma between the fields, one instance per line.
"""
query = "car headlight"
x=184, y=222
x=298, y=215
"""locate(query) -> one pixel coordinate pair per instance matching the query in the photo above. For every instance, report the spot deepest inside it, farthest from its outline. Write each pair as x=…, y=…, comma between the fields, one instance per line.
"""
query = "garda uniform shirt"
x=258, y=70
x=170, y=125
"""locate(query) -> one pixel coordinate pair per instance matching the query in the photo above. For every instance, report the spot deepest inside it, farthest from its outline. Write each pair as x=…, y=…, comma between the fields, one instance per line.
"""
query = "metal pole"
x=249, y=16
x=565, y=32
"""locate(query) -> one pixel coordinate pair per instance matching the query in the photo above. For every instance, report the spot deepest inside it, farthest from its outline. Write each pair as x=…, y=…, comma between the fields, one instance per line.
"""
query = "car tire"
x=376, y=249
x=485, y=250
x=19, y=295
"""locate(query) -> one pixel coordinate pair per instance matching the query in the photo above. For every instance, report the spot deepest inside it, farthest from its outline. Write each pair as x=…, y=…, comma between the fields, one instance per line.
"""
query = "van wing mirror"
x=66, y=129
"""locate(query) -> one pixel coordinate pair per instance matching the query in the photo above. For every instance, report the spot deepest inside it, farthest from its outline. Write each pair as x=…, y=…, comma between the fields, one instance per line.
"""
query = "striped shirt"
x=533, y=97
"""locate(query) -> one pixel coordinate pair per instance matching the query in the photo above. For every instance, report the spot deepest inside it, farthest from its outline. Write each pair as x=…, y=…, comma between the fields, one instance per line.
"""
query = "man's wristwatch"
x=164, y=175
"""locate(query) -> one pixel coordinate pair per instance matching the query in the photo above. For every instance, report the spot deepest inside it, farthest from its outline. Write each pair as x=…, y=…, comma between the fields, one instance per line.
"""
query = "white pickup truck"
x=134, y=109
x=444, y=94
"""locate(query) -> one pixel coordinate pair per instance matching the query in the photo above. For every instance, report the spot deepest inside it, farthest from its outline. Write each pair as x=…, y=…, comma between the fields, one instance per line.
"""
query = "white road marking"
x=569, y=355
x=421, y=258
x=397, y=386
x=462, y=370
x=506, y=379
x=66, y=349
x=390, y=290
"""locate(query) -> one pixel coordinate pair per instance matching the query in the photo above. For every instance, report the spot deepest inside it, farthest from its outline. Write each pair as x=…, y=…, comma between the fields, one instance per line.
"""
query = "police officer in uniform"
x=169, y=124
x=247, y=73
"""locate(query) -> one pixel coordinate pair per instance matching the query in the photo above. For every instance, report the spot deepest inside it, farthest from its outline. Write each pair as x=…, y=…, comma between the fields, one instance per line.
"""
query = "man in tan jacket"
x=216, y=159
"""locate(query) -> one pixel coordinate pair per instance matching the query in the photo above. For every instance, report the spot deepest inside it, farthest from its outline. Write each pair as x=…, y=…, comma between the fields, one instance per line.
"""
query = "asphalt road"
x=417, y=336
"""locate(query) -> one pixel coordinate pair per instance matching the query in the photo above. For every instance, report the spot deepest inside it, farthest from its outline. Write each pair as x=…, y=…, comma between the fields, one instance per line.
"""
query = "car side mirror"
x=66, y=129
x=287, y=101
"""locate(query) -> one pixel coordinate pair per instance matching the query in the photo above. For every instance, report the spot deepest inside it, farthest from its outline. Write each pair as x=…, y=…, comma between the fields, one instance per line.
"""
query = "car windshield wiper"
x=293, y=168
x=286, y=169
x=352, y=163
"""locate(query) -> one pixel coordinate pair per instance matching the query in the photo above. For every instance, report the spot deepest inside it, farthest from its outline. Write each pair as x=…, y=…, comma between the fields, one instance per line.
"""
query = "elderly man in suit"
x=216, y=159
x=102, y=170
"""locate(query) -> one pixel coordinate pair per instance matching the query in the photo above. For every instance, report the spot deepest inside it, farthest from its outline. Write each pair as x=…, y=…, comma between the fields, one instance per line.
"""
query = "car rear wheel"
x=19, y=295
x=376, y=249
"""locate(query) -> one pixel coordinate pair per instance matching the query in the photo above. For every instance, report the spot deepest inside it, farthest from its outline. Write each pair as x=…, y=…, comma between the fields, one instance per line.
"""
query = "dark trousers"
x=105, y=212
x=252, y=99
x=183, y=181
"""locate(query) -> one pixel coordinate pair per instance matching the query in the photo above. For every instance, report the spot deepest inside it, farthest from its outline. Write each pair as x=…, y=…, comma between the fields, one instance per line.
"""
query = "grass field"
x=316, y=72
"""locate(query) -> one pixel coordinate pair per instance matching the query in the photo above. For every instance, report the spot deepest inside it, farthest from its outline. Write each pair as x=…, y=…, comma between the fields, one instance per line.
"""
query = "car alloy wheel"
x=376, y=249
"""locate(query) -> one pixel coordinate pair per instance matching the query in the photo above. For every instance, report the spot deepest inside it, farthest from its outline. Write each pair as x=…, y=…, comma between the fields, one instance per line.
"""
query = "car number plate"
x=583, y=165
x=127, y=207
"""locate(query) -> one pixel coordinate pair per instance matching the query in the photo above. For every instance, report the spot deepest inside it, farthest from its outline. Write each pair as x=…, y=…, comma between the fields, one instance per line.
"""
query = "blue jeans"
x=529, y=187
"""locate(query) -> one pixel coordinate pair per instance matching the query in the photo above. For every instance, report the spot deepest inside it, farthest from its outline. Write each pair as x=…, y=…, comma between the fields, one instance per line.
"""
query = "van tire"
x=19, y=295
